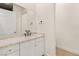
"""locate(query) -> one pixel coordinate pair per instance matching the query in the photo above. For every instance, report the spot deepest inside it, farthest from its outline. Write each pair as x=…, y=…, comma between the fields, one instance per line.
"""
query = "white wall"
x=25, y=16
x=67, y=26
x=7, y=22
x=29, y=6
x=18, y=10
x=29, y=17
x=45, y=12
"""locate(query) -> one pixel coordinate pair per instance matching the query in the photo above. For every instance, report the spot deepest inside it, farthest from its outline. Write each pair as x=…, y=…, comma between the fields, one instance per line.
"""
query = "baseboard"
x=50, y=54
x=47, y=54
x=70, y=50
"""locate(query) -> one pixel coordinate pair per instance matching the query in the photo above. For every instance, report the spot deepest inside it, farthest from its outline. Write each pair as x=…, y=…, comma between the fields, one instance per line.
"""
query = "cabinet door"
x=6, y=51
x=27, y=48
x=39, y=47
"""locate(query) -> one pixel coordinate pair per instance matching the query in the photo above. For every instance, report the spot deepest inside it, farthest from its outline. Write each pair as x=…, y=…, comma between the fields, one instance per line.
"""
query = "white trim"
x=47, y=54
x=69, y=49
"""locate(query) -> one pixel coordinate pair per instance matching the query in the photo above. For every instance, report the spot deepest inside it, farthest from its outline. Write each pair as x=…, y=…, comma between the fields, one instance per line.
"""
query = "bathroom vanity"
x=33, y=45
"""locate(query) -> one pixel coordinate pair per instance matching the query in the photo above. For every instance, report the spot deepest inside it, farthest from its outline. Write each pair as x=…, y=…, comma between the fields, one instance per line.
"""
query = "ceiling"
x=27, y=5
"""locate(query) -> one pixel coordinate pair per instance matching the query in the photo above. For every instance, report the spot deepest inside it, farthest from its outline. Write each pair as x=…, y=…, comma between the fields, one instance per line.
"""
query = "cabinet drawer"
x=9, y=49
x=13, y=54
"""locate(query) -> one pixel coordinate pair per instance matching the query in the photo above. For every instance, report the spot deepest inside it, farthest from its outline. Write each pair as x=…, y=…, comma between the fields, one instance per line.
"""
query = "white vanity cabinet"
x=39, y=47
x=32, y=48
x=23, y=46
x=27, y=48
x=12, y=50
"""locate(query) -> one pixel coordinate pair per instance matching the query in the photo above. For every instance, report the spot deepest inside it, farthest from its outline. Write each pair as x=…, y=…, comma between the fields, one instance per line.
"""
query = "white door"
x=27, y=48
x=45, y=14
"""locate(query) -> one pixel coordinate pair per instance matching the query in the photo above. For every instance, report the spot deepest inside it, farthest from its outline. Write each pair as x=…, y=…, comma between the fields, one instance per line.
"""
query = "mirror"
x=7, y=22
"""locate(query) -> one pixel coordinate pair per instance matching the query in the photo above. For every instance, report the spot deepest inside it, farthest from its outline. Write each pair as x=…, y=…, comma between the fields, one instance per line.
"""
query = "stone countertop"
x=17, y=39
